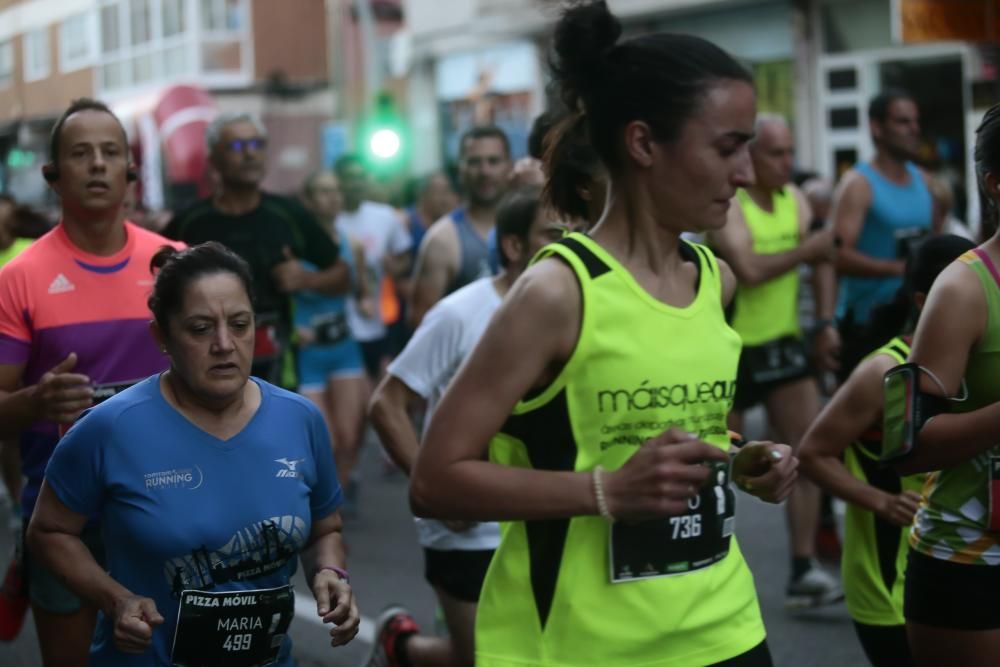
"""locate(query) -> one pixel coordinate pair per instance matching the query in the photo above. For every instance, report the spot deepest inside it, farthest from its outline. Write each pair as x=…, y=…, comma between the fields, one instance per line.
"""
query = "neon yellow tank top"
x=955, y=517
x=686, y=595
x=874, y=556
x=770, y=310
x=14, y=250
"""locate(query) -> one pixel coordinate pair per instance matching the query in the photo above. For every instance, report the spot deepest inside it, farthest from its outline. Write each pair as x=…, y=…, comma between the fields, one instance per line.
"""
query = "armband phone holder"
x=907, y=409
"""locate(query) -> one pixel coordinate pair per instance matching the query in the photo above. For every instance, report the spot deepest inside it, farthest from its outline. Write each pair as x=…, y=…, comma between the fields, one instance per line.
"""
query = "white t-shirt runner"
x=382, y=234
x=444, y=339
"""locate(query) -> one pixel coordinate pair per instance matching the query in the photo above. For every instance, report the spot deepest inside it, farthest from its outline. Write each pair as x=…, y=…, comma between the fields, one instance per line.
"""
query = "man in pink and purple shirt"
x=74, y=328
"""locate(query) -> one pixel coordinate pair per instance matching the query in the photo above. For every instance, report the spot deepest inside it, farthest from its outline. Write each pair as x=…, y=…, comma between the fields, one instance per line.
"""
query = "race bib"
x=778, y=360
x=234, y=629
x=677, y=544
x=329, y=329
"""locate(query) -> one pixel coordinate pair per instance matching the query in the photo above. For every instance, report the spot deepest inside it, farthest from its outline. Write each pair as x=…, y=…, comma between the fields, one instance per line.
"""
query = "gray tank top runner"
x=473, y=253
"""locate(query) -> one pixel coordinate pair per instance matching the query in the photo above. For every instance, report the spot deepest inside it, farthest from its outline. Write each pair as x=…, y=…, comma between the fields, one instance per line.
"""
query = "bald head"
x=772, y=152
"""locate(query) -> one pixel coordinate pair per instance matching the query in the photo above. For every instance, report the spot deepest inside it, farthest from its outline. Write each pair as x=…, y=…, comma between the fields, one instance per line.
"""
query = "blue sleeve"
x=325, y=495
x=76, y=470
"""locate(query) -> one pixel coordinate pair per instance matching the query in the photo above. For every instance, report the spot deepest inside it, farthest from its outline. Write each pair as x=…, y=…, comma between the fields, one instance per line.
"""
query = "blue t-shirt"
x=182, y=510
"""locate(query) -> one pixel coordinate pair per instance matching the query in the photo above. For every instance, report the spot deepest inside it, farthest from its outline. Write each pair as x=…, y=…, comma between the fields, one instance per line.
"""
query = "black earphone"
x=51, y=174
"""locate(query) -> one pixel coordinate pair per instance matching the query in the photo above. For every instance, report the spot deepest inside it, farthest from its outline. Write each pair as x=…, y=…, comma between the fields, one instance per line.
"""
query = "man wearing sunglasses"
x=270, y=232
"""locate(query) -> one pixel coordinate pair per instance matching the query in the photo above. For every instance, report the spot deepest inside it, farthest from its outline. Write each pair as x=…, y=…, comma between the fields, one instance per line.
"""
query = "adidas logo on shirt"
x=61, y=285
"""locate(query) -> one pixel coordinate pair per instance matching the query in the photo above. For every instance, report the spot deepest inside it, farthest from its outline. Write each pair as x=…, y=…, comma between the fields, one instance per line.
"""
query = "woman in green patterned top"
x=840, y=452
x=952, y=614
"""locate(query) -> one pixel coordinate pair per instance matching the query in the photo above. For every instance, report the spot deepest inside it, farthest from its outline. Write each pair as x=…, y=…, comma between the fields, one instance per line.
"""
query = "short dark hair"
x=484, y=132
x=515, y=213
x=341, y=164
x=878, y=107
x=175, y=270
x=76, y=106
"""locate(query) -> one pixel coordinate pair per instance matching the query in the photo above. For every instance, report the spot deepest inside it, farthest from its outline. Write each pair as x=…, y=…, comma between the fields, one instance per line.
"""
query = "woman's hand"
x=766, y=470
x=661, y=477
x=899, y=509
x=335, y=604
x=135, y=618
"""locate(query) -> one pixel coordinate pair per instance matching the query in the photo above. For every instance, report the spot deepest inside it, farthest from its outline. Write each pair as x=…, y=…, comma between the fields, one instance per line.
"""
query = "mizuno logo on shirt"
x=61, y=285
x=289, y=469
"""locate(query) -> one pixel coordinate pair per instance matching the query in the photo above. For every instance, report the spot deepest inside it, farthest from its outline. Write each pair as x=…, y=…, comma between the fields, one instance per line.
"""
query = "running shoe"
x=394, y=624
x=13, y=601
x=815, y=588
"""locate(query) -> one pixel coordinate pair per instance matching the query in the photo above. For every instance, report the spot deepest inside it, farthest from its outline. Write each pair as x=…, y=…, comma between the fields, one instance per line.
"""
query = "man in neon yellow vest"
x=766, y=239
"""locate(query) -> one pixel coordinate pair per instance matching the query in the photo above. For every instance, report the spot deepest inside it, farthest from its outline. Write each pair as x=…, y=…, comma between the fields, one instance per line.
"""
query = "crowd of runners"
x=560, y=358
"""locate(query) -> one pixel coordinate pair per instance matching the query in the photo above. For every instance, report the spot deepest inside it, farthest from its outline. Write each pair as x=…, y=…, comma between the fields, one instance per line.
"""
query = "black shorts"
x=764, y=368
x=885, y=645
x=458, y=573
x=943, y=594
x=372, y=353
x=758, y=656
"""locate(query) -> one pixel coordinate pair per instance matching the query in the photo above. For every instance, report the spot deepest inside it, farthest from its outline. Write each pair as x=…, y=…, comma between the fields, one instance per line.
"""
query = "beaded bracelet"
x=602, y=501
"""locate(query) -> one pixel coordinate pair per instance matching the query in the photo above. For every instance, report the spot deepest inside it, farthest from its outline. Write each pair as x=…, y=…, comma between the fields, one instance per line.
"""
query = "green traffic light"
x=385, y=144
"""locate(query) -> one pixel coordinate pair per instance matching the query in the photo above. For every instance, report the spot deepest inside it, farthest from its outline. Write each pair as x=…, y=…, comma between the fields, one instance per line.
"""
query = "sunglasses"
x=241, y=145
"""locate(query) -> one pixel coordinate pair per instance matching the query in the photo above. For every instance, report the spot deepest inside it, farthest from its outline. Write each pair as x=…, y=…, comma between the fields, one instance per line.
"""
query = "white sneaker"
x=815, y=588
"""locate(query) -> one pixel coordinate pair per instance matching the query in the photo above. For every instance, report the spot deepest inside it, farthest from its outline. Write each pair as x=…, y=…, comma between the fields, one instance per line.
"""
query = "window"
x=172, y=17
x=111, y=38
x=140, y=17
x=76, y=42
x=221, y=15
x=37, y=57
x=6, y=63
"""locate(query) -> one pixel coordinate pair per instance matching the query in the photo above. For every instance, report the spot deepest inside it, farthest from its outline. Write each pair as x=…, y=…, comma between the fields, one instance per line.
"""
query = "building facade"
x=818, y=62
x=166, y=67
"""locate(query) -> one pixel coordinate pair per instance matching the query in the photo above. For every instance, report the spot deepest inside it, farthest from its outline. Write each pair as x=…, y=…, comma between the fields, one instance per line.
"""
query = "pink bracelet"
x=340, y=572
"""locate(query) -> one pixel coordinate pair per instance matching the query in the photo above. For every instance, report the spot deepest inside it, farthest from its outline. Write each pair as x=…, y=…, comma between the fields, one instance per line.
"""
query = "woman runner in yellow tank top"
x=600, y=390
x=840, y=453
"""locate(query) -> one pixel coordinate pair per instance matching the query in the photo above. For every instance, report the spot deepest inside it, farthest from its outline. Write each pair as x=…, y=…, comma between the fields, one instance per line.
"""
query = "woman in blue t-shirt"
x=209, y=486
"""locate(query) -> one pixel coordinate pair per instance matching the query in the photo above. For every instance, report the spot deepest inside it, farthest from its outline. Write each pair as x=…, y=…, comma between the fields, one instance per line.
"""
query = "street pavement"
x=387, y=568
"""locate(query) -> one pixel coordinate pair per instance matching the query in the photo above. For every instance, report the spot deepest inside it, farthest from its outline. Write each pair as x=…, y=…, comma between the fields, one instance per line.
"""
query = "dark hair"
x=344, y=161
x=659, y=79
x=571, y=163
x=175, y=270
x=484, y=132
x=540, y=130
x=923, y=266
x=76, y=106
x=987, y=159
x=878, y=107
x=29, y=223
x=515, y=213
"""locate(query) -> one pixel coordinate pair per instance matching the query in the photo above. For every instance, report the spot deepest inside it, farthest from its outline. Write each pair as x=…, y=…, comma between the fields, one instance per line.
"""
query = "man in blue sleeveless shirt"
x=882, y=208
x=454, y=251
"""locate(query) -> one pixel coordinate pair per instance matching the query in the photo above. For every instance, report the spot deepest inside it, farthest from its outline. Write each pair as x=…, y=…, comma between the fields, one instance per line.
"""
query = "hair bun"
x=583, y=36
x=161, y=257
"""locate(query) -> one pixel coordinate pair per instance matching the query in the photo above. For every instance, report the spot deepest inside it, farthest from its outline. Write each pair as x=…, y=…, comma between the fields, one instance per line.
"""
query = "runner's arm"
x=735, y=244
x=953, y=320
x=850, y=203
x=388, y=413
x=853, y=409
x=325, y=547
x=59, y=395
x=54, y=538
x=435, y=267
x=826, y=343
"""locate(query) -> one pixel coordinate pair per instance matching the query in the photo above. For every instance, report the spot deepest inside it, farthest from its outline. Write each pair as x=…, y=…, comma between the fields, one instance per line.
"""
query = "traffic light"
x=383, y=142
